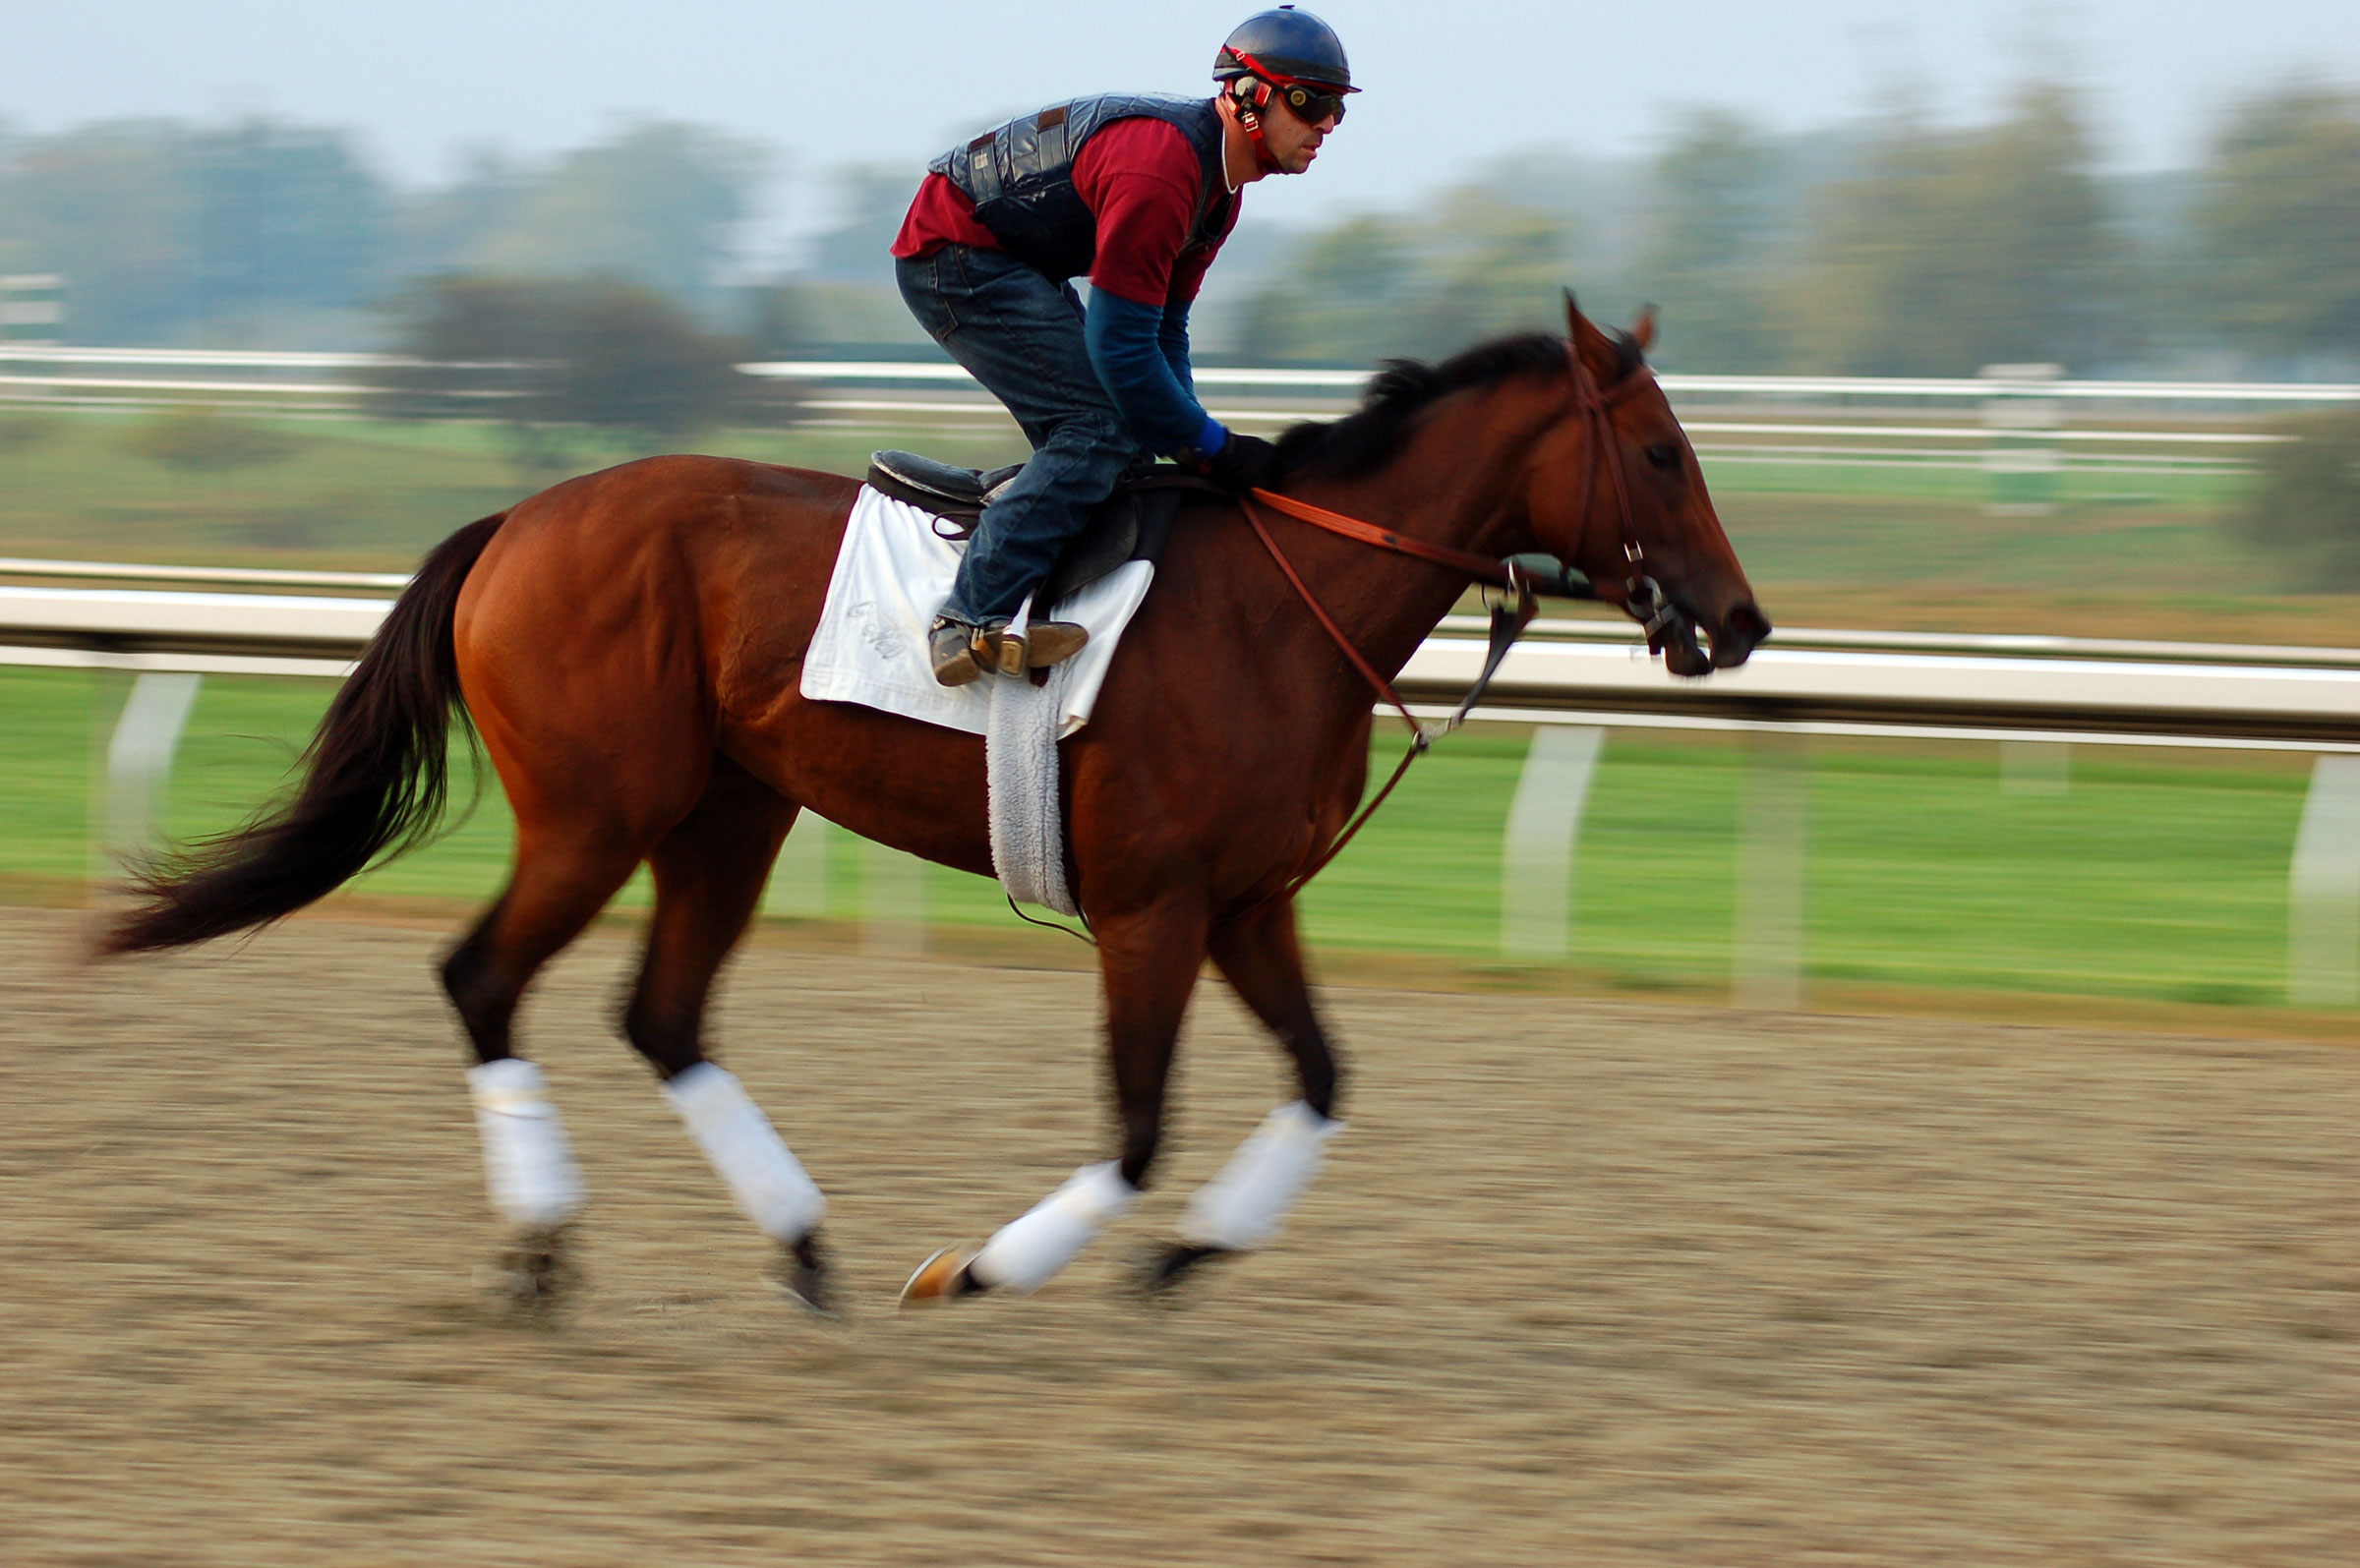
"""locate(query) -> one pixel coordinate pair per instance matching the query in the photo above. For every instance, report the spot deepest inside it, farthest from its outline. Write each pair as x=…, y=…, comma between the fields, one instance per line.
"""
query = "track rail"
x=1568, y=672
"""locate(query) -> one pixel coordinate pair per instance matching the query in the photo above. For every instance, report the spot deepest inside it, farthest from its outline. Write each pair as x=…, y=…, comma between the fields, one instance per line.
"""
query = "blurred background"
x=286, y=289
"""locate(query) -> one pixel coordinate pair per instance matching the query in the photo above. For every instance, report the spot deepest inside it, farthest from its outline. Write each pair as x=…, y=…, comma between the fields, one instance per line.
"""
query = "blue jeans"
x=1020, y=334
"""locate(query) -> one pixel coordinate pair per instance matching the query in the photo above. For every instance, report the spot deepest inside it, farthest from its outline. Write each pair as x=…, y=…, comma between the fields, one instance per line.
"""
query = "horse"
x=627, y=646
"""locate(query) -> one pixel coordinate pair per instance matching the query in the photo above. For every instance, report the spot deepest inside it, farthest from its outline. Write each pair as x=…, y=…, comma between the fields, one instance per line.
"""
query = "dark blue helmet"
x=1283, y=46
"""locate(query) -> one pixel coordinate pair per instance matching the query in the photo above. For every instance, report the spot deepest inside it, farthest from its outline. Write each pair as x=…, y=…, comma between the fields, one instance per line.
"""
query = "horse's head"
x=1614, y=490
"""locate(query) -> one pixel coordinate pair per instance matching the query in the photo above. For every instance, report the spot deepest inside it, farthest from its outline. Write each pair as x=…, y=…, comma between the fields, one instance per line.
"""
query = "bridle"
x=1522, y=578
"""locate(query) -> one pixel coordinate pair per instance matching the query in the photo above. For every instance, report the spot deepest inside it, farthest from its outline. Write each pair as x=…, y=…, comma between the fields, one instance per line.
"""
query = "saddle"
x=1135, y=523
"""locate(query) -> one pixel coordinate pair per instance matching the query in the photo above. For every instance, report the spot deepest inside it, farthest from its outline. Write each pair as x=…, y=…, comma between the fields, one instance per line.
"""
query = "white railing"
x=1808, y=680
x=1571, y=680
x=870, y=392
x=1348, y=382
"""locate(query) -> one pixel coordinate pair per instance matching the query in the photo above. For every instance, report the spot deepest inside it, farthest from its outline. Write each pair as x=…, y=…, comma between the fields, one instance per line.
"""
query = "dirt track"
x=1585, y=1283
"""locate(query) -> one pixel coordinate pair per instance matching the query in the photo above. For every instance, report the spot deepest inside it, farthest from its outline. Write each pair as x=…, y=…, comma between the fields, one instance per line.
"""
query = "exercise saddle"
x=1135, y=523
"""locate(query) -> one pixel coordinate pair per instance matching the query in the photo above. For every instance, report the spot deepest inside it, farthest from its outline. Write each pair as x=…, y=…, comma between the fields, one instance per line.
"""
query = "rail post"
x=799, y=880
x=893, y=903
x=1772, y=824
x=1543, y=823
x=2022, y=460
x=2322, y=915
x=139, y=761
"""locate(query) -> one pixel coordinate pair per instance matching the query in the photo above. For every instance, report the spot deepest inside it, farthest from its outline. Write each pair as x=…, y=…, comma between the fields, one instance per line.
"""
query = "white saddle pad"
x=892, y=575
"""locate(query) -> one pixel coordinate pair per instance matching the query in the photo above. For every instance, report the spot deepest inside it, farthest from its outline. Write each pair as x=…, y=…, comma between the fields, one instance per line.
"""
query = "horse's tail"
x=373, y=779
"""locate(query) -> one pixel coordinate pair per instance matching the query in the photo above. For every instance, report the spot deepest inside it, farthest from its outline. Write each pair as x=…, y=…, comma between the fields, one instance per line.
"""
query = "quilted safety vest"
x=1021, y=177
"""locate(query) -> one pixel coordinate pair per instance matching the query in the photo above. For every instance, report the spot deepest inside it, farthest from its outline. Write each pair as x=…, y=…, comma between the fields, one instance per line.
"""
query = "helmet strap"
x=1249, y=104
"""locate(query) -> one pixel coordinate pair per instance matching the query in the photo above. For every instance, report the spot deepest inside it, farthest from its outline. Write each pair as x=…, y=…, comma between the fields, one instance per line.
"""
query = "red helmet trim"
x=1280, y=78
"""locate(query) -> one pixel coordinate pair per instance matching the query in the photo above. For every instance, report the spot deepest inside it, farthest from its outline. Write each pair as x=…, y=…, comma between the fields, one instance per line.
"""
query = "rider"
x=1137, y=192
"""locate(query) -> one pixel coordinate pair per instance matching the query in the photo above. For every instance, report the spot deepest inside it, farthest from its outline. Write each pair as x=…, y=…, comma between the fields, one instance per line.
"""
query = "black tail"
x=373, y=779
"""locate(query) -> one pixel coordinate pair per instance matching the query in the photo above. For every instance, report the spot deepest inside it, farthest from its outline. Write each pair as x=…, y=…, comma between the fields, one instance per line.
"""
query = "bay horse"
x=628, y=646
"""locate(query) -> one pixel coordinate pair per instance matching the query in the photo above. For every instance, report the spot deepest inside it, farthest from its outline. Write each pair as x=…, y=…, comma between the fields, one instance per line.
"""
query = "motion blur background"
x=630, y=206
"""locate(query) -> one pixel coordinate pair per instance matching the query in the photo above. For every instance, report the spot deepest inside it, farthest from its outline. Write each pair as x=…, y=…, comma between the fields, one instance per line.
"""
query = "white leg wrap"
x=765, y=1178
x=1031, y=1248
x=1241, y=1207
x=528, y=1166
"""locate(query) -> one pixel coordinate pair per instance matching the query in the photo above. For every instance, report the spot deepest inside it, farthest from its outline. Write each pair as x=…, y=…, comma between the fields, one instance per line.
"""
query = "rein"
x=1643, y=597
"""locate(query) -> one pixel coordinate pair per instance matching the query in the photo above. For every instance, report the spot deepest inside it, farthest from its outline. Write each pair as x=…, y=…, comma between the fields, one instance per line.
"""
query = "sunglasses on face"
x=1312, y=106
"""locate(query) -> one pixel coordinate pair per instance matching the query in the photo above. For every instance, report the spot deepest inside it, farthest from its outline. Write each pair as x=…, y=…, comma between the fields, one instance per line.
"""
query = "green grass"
x=379, y=493
x=363, y=493
x=2157, y=876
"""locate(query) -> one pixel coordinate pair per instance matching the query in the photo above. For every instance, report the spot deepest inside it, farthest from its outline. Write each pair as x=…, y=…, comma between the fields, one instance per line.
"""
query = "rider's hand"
x=1244, y=463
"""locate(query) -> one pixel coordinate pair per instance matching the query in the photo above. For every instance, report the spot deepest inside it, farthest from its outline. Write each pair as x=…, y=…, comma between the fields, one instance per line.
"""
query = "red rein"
x=1638, y=590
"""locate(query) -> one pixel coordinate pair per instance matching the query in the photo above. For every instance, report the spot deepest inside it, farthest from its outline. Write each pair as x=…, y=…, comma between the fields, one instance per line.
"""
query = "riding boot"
x=952, y=647
x=1036, y=647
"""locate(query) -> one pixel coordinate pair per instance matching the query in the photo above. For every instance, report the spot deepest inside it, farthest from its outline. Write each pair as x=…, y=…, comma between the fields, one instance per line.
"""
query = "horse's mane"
x=1406, y=388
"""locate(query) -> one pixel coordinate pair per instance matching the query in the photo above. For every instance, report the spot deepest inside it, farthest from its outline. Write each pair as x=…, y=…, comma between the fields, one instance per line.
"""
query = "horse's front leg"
x=1150, y=960
x=1242, y=1207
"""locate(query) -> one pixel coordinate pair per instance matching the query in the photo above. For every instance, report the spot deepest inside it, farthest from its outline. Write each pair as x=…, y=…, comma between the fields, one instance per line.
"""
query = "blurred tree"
x=433, y=231
x=552, y=357
x=1380, y=286
x=1345, y=298
x=158, y=229
x=283, y=216
x=1716, y=245
x=2306, y=509
x=1950, y=252
x=1504, y=268
x=2277, y=226
x=111, y=209
x=657, y=203
x=871, y=202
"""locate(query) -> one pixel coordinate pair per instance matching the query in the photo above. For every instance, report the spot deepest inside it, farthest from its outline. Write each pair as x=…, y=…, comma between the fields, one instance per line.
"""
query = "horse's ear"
x=1642, y=331
x=1597, y=350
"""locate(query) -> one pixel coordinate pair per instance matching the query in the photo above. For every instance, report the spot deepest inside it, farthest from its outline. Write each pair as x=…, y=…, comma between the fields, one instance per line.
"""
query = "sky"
x=893, y=82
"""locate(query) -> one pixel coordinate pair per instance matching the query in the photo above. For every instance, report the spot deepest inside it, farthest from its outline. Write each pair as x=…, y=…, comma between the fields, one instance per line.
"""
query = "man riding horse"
x=1137, y=194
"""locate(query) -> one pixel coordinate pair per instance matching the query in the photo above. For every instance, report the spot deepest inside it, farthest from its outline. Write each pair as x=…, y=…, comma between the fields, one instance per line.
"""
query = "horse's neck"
x=1453, y=484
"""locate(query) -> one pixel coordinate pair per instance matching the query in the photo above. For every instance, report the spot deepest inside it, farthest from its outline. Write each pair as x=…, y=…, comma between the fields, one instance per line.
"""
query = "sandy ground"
x=1584, y=1282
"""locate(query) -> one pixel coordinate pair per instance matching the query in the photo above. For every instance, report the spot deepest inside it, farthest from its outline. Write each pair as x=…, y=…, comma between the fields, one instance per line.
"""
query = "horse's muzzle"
x=1740, y=631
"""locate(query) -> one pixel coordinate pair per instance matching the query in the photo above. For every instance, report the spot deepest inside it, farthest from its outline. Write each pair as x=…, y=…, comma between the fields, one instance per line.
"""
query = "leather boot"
x=1042, y=644
x=1052, y=642
x=951, y=647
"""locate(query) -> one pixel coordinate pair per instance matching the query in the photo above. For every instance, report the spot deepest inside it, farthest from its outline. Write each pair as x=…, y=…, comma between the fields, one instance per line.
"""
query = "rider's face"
x=1292, y=144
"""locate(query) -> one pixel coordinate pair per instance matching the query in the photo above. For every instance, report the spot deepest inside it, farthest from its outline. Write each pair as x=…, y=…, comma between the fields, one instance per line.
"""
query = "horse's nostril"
x=1742, y=630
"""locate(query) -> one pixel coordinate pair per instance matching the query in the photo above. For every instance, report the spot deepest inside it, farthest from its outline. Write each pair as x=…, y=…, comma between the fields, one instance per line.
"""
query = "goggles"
x=1311, y=104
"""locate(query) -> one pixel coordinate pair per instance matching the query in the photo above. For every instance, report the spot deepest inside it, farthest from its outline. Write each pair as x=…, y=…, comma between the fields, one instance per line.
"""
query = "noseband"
x=1522, y=578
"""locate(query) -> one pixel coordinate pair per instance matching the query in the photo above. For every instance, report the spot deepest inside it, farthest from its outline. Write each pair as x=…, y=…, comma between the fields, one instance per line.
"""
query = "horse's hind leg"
x=709, y=873
x=563, y=879
x=1241, y=1208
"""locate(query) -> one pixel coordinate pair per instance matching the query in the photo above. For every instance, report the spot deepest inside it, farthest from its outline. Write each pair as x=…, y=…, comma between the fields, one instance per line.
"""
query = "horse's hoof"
x=944, y=1277
x=800, y=1274
x=534, y=1272
x=1162, y=1272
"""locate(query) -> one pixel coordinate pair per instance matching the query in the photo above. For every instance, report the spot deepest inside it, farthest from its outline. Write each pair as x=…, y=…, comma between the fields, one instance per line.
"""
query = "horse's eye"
x=1666, y=456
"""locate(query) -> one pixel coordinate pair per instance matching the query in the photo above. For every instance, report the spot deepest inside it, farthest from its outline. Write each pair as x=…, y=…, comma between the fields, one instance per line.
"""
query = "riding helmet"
x=1288, y=44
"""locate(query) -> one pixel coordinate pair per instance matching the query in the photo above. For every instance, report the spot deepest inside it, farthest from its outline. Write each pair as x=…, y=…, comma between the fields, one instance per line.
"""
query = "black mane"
x=1402, y=390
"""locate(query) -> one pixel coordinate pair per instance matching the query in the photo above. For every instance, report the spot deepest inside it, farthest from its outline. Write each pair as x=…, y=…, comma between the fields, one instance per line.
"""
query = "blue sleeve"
x=1141, y=355
x=1172, y=337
